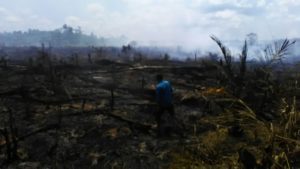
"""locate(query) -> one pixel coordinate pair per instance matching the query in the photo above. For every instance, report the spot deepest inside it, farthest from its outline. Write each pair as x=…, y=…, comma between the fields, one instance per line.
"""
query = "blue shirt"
x=164, y=93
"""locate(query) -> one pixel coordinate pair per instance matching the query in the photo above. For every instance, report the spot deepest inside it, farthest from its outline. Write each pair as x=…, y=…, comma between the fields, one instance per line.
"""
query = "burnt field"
x=90, y=111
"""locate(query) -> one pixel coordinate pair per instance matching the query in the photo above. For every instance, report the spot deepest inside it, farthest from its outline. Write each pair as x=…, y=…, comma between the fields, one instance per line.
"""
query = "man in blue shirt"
x=164, y=94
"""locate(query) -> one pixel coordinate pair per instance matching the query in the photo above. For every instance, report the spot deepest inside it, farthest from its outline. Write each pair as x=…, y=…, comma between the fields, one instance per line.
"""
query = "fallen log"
x=40, y=130
x=145, y=128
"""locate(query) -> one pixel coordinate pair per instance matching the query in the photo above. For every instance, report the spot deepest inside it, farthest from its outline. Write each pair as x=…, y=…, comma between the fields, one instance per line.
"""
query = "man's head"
x=159, y=78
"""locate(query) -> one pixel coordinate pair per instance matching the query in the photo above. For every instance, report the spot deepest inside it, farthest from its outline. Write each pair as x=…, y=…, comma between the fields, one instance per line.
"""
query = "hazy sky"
x=169, y=22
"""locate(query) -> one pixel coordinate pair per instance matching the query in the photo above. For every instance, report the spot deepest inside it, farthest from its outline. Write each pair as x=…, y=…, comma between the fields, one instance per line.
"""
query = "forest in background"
x=61, y=37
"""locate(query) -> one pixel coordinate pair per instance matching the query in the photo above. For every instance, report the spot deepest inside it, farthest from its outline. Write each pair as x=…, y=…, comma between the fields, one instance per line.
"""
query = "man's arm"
x=171, y=88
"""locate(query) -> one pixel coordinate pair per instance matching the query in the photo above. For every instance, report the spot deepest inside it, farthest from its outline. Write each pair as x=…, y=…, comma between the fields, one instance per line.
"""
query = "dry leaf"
x=95, y=156
x=112, y=133
x=2, y=142
x=142, y=147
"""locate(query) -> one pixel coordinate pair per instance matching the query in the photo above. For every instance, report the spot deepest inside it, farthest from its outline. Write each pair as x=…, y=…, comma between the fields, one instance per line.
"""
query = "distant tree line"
x=61, y=37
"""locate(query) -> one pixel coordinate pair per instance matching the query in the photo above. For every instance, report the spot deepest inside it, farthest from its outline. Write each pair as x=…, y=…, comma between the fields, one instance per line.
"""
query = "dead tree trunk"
x=83, y=105
x=13, y=131
x=5, y=134
x=90, y=58
x=112, y=99
x=10, y=136
x=113, y=87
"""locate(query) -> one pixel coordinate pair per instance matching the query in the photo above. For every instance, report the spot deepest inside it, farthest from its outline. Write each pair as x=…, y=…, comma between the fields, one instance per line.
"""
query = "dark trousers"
x=159, y=114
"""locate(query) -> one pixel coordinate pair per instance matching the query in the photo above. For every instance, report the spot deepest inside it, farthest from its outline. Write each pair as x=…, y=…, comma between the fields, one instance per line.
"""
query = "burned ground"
x=102, y=116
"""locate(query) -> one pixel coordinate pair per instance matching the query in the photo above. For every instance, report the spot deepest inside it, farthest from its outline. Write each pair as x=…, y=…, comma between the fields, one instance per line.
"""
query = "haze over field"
x=159, y=22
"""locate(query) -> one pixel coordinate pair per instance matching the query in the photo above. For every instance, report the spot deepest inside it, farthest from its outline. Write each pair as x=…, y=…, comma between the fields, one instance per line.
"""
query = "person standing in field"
x=164, y=99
